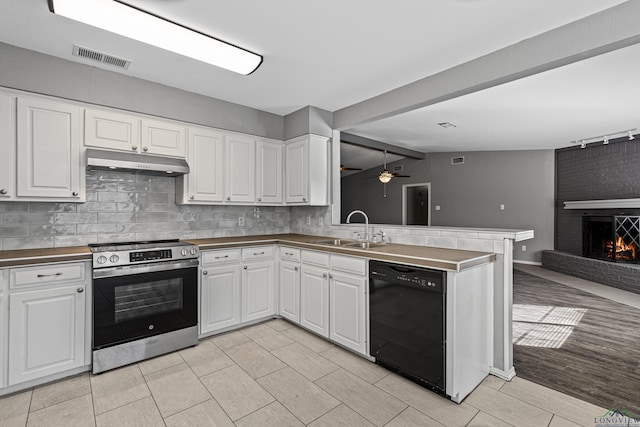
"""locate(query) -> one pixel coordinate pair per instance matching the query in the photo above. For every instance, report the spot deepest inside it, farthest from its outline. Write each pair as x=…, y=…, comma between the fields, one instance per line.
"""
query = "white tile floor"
x=276, y=374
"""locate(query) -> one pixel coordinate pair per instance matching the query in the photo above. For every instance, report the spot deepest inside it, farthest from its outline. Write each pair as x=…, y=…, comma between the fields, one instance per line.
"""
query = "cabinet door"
x=347, y=306
x=205, y=182
x=7, y=146
x=314, y=299
x=220, y=298
x=241, y=169
x=106, y=129
x=48, y=149
x=297, y=174
x=47, y=332
x=289, y=294
x=269, y=171
x=164, y=138
x=258, y=286
x=3, y=354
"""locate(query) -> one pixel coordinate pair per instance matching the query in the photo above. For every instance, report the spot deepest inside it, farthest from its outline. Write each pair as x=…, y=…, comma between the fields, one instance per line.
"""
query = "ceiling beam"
x=361, y=141
x=605, y=31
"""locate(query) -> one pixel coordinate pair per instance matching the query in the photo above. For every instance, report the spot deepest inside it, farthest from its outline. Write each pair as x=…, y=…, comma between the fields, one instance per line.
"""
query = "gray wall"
x=308, y=120
x=127, y=207
x=596, y=172
x=470, y=194
x=35, y=72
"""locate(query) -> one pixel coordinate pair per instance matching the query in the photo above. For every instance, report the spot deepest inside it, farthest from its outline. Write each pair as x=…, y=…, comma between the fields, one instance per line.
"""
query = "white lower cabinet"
x=314, y=299
x=289, y=290
x=47, y=325
x=236, y=286
x=347, y=316
x=220, y=298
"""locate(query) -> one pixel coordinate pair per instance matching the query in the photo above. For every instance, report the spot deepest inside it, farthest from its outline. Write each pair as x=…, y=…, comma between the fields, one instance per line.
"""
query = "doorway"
x=416, y=204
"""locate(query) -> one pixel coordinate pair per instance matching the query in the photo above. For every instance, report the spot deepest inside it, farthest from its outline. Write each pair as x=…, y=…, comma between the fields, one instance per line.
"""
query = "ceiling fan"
x=345, y=168
x=385, y=176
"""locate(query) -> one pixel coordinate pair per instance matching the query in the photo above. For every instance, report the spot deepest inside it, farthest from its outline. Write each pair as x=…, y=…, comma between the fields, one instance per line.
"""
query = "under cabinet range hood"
x=147, y=164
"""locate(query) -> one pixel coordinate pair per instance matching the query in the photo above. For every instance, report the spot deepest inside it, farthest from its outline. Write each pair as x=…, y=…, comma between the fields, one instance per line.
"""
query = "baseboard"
x=507, y=376
x=517, y=261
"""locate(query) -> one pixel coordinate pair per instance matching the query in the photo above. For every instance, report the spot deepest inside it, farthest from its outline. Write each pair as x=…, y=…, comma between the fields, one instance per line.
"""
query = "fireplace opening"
x=611, y=238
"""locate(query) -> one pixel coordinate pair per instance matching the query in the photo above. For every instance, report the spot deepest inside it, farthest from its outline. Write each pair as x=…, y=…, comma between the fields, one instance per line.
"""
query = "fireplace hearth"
x=611, y=238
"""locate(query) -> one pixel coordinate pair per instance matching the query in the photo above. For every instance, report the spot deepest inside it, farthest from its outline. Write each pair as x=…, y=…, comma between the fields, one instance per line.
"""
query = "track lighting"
x=630, y=135
x=583, y=144
x=606, y=140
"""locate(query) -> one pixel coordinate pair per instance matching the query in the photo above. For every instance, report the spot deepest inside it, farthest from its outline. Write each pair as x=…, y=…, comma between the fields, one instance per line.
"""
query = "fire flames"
x=623, y=251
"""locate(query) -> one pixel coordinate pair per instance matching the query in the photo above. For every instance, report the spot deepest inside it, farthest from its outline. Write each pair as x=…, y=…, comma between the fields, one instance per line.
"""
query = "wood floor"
x=600, y=360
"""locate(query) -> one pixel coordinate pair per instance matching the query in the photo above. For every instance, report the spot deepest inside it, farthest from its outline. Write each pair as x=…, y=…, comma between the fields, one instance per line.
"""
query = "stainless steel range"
x=145, y=300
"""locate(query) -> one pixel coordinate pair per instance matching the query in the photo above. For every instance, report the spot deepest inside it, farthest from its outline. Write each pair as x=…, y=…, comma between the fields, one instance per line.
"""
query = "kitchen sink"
x=333, y=242
x=364, y=245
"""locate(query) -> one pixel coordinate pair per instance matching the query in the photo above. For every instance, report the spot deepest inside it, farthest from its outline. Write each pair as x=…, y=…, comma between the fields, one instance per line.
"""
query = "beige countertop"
x=44, y=255
x=423, y=256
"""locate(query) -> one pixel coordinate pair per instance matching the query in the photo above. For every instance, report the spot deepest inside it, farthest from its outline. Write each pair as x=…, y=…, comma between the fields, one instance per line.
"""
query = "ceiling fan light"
x=128, y=21
x=385, y=176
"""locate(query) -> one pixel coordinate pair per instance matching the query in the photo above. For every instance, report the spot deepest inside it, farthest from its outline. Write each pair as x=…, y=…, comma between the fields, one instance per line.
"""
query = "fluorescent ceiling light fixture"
x=128, y=21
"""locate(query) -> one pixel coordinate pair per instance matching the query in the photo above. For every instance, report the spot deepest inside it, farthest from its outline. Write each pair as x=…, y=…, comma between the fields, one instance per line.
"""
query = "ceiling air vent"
x=105, y=58
x=457, y=160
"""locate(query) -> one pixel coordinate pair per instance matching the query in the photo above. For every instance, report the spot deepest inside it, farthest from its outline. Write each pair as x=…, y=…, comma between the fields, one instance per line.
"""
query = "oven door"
x=140, y=301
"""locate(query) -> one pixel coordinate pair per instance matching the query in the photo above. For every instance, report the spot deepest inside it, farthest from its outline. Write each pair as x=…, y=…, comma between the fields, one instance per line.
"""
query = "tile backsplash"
x=127, y=207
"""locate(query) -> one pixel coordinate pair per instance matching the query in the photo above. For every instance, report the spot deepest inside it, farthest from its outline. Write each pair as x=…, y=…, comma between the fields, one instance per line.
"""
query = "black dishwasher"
x=407, y=322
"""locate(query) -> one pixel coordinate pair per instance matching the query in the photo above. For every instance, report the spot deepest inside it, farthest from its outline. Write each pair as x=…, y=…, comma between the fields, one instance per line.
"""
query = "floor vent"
x=105, y=58
x=457, y=160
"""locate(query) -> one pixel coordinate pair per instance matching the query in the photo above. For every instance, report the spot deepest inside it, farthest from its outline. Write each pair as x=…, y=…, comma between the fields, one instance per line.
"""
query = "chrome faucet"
x=366, y=222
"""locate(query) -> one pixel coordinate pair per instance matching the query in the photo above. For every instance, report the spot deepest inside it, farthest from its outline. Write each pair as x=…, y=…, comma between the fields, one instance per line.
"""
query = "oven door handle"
x=143, y=268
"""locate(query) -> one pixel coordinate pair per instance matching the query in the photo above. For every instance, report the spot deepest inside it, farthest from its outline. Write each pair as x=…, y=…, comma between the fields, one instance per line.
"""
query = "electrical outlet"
x=524, y=248
x=308, y=219
x=437, y=207
x=240, y=221
x=501, y=207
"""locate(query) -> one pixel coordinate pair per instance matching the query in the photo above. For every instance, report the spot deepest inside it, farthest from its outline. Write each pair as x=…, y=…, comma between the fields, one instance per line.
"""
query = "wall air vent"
x=457, y=160
x=105, y=58
x=398, y=168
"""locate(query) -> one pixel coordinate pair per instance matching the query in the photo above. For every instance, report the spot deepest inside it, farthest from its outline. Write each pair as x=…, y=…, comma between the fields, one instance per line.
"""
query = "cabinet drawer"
x=349, y=264
x=291, y=254
x=46, y=274
x=316, y=258
x=259, y=252
x=218, y=257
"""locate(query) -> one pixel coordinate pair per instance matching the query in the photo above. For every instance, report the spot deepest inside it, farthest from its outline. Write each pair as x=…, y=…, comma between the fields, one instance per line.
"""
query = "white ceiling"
x=334, y=53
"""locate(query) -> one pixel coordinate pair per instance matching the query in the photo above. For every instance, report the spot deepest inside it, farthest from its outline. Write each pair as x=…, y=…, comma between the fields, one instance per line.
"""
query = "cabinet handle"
x=3, y=191
x=222, y=257
x=134, y=147
x=288, y=254
x=296, y=268
x=48, y=275
x=192, y=197
x=259, y=199
x=205, y=273
x=245, y=267
x=304, y=199
x=145, y=148
x=324, y=275
x=331, y=276
x=74, y=194
x=258, y=253
x=80, y=290
x=228, y=198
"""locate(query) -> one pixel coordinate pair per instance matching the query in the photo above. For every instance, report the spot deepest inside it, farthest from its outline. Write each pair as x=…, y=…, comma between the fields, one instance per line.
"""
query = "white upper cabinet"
x=163, y=137
x=307, y=171
x=7, y=146
x=269, y=171
x=114, y=131
x=240, y=174
x=127, y=132
x=49, y=162
x=205, y=155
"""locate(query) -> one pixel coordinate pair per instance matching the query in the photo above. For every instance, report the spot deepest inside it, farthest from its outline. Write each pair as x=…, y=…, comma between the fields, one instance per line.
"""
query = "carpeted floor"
x=577, y=343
